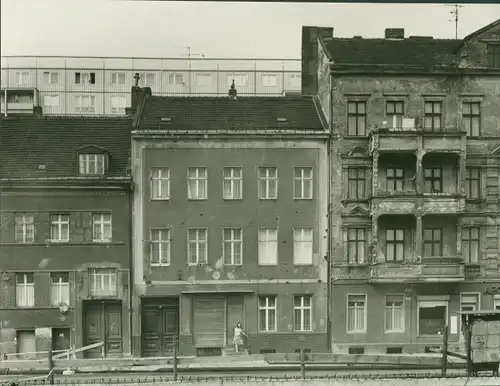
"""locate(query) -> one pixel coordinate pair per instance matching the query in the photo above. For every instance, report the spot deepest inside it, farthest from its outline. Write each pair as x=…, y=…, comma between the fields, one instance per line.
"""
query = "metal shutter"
x=209, y=318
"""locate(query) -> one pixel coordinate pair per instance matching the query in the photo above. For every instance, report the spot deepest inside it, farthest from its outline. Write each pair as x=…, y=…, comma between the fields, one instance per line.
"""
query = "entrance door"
x=235, y=314
x=26, y=344
x=60, y=339
x=209, y=326
x=103, y=324
x=160, y=325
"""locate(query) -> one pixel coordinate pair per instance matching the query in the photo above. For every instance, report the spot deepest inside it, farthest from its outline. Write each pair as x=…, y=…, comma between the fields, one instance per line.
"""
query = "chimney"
x=232, y=91
x=395, y=33
x=138, y=94
x=37, y=111
x=310, y=36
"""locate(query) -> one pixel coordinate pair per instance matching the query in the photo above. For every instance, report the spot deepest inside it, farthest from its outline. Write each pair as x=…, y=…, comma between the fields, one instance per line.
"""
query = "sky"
x=226, y=29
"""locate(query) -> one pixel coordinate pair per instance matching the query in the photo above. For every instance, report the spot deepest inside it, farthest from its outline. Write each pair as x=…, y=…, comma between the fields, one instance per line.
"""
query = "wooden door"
x=209, y=318
x=103, y=324
x=94, y=329
x=113, y=329
x=235, y=314
x=160, y=326
x=60, y=339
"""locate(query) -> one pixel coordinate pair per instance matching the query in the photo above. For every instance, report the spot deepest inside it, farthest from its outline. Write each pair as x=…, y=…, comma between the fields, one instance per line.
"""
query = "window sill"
x=197, y=199
x=356, y=332
x=303, y=264
x=267, y=265
x=233, y=199
x=268, y=199
x=159, y=199
x=303, y=331
x=159, y=265
x=303, y=199
x=394, y=332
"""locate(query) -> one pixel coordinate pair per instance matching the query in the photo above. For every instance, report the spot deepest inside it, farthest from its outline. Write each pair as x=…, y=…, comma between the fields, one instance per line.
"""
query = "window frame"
x=469, y=182
x=468, y=239
x=433, y=242
x=267, y=179
x=232, y=242
x=395, y=179
x=23, y=77
x=48, y=77
x=359, y=117
x=60, y=223
x=116, y=76
x=356, y=244
x=84, y=164
x=301, y=181
x=50, y=97
x=302, y=308
x=163, y=244
x=393, y=112
x=232, y=181
x=25, y=284
x=357, y=180
x=158, y=182
x=470, y=116
x=197, y=180
x=266, y=308
x=493, y=55
x=403, y=314
x=433, y=178
x=432, y=115
x=105, y=226
x=95, y=273
x=197, y=242
x=438, y=303
x=395, y=242
x=80, y=107
x=266, y=242
x=61, y=286
x=303, y=241
x=24, y=226
x=268, y=77
x=350, y=308
x=175, y=76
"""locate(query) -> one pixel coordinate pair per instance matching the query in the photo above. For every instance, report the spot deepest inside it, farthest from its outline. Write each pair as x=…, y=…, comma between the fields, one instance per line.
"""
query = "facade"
x=414, y=183
x=101, y=86
x=65, y=235
x=229, y=224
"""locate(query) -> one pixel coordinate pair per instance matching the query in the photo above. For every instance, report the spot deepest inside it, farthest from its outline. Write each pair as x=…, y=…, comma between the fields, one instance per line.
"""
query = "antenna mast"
x=455, y=11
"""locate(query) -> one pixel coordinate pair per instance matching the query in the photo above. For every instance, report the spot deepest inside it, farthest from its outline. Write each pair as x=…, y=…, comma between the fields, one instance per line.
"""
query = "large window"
x=268, y=182
x=471, y=118
x=103, y=282
x=232, y=184
x=197, y=246
x=432, y=317
x=471, y=244
x=22, y=77
x=433, y=178
x=395, y=244
x=25, y=290
x=267, y=313
x=85, y=103
x=394, y=313
x=433, y=115
x=395, y=113
x=59, y=227
x=50, y=77
x=473, y=183
x=356, y=313
x=160, y=247
x=102, y=227
x=303, y=183
x=433, y=242
x=356, y=245
x=160, y=183
x=302, y=246
x=302, y=315
x=24, y=228
x=356, y=183
x=395, y=179
x=232, y=240
x=268, y=246
x=91, y=163
x=356, y=118
x=118, y=104
x=197, y=183
x=118, y=78
x=60, y=288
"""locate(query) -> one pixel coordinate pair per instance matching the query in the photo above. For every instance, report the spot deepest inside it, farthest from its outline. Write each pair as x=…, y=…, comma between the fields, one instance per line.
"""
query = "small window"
x=50, y=77
x=60, y=289
x=59, y=228
x=160, y=183
x=268, y=183
x=25, y=290
x=24, y=228
x=118, y=78
x=103, y=282
x=197, y=246
x=160, y=247
x=267, y=313
x=102, y=227
x=302, y=246
x=302, y=313
x=92, y=164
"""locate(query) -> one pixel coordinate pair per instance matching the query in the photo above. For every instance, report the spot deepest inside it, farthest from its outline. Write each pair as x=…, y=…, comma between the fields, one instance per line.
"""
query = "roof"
x=26, y=142
x=222, y=113
x=413, y=51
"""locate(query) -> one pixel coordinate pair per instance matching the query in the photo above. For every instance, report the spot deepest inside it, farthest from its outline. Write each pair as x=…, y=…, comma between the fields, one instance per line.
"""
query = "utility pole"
x=455, y=11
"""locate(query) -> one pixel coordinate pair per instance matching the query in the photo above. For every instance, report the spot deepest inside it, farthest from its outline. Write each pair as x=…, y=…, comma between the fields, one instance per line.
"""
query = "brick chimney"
x=138, y=94
x=395, y=33
x=232, y=93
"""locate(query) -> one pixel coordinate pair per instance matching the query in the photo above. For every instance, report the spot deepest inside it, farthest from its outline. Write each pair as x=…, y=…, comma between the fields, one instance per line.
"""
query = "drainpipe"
x=329, y=250
x=131, y=266
x=5, y=101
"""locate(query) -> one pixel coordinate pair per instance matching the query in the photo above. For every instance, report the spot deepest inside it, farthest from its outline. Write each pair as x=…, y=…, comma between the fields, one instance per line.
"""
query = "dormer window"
x=494, y=55
x=92, y=163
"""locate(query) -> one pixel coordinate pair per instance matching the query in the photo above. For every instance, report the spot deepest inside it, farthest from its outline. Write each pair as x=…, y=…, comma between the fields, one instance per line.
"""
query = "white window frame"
x=118, y=77
x=195, y=243
x=160, y=183
x=438, y=303
x=59, y=289
x=122, y=103
x=200, y=180
x=102, y=227
x=240, y=80
x=27, y=288
x=146, y=78
x=24, y=224
x=231, y=238
x=22, y=77
x=295, y=80
x=267, y=308
x=303, y=237
x=266, y=238
x=301, y=181
x=92, y=164
x=59, y=224
x=266, y=80
x=302, y=309
x=85, y=103
x=173, y=79
x=50, y=77
x=265, y=178
x=52, y=99
x=200, y=83
x=355, y=308
x=97, y=276
x=476, y=304
x=393, y=319
x=161, y=237
x=233, y=179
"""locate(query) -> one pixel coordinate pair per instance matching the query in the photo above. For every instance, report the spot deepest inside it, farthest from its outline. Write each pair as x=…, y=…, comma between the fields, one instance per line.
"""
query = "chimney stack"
x=138, y=94
x=395, y=33
x=232, y=93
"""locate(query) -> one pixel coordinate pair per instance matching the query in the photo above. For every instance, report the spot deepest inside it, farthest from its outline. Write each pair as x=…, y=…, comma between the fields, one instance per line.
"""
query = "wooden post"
x=51, y=368
x=302, y=363
x=175, y=359
x=445, y=352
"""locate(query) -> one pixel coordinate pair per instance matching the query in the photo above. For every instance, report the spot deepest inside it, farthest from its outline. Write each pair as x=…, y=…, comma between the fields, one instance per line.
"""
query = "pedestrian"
x=238, y=336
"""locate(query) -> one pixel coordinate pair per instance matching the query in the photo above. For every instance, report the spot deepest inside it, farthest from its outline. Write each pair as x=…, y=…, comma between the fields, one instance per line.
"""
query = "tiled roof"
x=219, y=113
x=28, y=141
x=418, y=51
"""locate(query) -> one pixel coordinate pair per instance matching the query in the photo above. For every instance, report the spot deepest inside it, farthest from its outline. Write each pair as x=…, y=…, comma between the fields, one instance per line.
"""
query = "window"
x=268, y=246
x=91, y=163
x=22, y=77
x=102, y=228
x=394, y=244
x=268, y=182
x=118, y=104
x=232, y=240
x=25, y=290
x=356, y=183
x=295, y=81
x=394, y=313
x=356, y=118
x=395, y=113
x=356, y=313
x=433, y=242
x=469, y=302
x=24, y=228
x=267, y=313
x=432, y=116
x=471, y=244
x=60, y=289
x=302, y=246
x=51, y=100
x=303, y=183
x=471, y=117
x=50, y=77
x=85, y=103
x=473, y=183
x=84, y=77
x=432, y=317
x=356, y=245
x=232, y=183
x=493, y=55
x=59, y=228
x=160, y=183
x=118, y=78
x=176, y=79
x=103, y=282
x=240, y=80
x=496, y=303
x=160, y=247
x=395, y=179
x=204, y=80
x=197, y=246
x=197, y=183
x=269, y=80
x=433, y=178
x=302, y=314
x=146, y=79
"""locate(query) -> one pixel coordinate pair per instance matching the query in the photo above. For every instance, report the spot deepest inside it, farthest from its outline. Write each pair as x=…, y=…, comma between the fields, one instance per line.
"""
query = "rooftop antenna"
x=455, y=11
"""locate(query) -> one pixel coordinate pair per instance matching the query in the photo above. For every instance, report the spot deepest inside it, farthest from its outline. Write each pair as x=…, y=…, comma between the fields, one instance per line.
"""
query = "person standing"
x=239, y=335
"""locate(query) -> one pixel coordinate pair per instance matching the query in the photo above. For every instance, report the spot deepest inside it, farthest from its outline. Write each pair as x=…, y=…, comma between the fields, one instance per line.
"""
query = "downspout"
x=329, y=233
x=131, y=266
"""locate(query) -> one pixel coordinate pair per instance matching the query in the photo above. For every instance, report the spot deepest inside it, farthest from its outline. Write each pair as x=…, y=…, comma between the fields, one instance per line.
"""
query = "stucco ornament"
x=63, y=308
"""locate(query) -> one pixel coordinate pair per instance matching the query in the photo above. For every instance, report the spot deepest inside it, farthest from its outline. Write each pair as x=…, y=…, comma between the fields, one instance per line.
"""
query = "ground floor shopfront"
x=393, y=318
x=201, y=319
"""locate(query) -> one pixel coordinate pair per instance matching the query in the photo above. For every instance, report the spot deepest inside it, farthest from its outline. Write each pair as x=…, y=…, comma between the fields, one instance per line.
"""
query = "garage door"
x=209, y=326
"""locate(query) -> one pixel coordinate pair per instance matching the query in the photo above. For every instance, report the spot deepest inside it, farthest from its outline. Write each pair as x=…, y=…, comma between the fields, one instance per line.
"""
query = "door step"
x=232, y=351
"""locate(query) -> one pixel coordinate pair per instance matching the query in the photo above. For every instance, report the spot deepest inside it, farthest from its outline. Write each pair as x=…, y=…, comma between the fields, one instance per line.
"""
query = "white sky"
x=238, y=30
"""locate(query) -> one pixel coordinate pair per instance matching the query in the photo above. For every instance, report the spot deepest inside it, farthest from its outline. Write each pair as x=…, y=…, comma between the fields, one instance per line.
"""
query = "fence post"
x=51, y=368
x=302, y=363
x=445, y=352
x=175, y=359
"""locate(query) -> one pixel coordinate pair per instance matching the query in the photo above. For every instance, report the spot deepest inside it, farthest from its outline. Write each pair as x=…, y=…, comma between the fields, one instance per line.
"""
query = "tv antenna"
x=455, y=11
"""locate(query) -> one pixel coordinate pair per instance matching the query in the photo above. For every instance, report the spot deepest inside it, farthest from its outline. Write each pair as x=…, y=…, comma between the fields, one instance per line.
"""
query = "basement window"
x=281, y=119
x=394, y=350
x=268, y=351
x=356, y=350
x=166, y=119
x=306, y=350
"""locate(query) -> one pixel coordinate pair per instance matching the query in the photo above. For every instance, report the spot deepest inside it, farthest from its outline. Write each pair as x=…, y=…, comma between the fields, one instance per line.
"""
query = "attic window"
x=282, y=119
x=166, y=119
x=92, y=163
